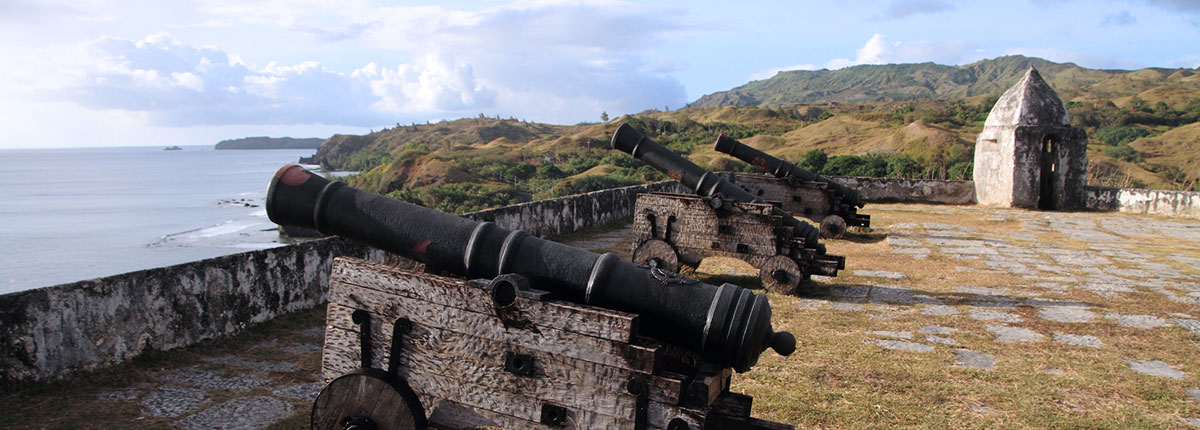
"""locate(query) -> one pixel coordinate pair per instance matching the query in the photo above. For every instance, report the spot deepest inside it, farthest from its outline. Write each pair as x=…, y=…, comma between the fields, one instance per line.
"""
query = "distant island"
x=263, y=142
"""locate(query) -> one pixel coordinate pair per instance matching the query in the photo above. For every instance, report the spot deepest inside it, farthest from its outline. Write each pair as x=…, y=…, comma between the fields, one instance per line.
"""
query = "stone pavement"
x=1062, y=280
x=977, y=290
x=267, y=376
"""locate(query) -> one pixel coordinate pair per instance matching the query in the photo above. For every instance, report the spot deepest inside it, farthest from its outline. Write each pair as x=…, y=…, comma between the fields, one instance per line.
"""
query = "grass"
x=837, y=380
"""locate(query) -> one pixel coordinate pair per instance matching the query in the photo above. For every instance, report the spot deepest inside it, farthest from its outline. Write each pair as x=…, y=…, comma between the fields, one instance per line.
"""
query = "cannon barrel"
x=700, y=180
x=783, y=169
x=726, y=324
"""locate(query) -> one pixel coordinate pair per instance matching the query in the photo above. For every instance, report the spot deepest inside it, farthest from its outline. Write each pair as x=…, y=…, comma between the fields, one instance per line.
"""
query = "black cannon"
x=704, y=183
x=800, y=192
x=783, y=169
x=726, y=324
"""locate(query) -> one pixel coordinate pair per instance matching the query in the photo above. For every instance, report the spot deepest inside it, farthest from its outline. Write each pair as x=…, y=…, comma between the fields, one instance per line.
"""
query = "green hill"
x=898, y=82
x=916, y=120
x=263, y=142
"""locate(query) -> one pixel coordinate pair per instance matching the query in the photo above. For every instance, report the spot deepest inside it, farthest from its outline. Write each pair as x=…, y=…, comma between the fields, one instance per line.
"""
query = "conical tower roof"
x=1030, y=102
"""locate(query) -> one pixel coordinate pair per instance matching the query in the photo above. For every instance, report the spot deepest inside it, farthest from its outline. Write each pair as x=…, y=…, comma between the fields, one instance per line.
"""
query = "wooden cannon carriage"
x=410, y=349
x=814, y=200
x=670, y=230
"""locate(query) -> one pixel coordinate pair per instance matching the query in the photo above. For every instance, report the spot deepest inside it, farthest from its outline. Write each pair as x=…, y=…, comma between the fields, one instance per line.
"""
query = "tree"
x=604, y=116
x=814, y=160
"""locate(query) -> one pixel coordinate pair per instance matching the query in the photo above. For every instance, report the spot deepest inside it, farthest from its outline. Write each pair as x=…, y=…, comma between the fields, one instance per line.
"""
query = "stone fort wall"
x=53, y=331
x=49, y=332
x=1184, y=204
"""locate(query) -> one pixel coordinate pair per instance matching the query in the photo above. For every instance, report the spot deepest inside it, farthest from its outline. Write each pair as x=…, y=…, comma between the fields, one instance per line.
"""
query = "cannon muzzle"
x=698, y=179
x=726, y=324
x=783, y=169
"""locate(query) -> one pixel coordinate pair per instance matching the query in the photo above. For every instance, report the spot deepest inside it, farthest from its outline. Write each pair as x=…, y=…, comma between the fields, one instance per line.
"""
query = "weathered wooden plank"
x=499, y=391
x=555, y=376
x=575, y=389
x=572, y=317
x=516, y=329
x=732, y=405
x=704, y=389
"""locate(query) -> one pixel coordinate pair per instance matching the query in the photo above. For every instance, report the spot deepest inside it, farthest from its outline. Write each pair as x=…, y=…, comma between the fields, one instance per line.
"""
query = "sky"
x=192, y=72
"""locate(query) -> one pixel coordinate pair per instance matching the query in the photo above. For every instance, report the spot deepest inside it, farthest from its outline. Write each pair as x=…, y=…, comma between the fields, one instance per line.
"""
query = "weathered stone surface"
x=1194, y=394
x=881, y=274
x=994, y=315
x=1066, y=314
x=1137, y=321
x=1077, y=340
x=1190, y=324
x=1006, y=333
x=982, y=291
x=317, y=332
x=240, y=414
x=1053, y=371
x=974, y=360
x=896, y=240
x=939, y=310
x=1194, y=422
x=809, y=304
x=170, y=401
x=302, y=348
x=893, y=295
x=213, y=380
x=1155, y=368
x=916, y=253
x=939, y=339
x=847, y=306
x=910, y=190
x=122, y=395
x=900, y=345
x=849, y=291
x=306, y=392
x=273, y=366
x=895, y=334
x=936, y=329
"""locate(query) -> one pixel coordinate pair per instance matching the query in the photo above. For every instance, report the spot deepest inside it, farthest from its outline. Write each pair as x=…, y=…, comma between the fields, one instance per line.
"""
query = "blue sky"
x=186, y=72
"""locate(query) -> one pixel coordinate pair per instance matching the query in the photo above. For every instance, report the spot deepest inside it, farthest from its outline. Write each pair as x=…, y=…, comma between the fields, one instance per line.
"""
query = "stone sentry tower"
x=1028, y=155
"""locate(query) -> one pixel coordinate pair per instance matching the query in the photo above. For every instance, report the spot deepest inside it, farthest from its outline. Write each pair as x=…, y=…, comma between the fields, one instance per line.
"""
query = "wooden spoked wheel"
x=367, y=399
x=780, y=274
x=657, y=253
x=833, y=227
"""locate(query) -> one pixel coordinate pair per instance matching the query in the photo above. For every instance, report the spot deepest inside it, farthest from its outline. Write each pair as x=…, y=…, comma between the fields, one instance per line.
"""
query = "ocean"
x=73, y=214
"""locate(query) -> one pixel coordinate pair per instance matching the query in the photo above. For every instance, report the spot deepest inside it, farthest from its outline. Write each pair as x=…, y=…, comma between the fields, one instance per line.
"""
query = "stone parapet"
x=890, y=190
x=52, y=331
x=1156, y=202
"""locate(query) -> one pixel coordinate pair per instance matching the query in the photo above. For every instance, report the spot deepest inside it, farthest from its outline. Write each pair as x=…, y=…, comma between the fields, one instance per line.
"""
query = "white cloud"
x=879, y=50
x=514, y=60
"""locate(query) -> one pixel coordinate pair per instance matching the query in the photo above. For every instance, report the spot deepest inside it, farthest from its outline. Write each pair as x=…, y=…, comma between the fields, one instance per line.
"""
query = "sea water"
x=73, y=214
